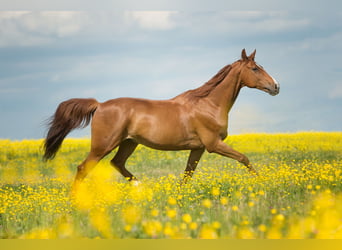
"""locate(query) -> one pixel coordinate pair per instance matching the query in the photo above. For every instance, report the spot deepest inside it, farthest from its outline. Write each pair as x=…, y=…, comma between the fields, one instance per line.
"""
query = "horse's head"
x=254, y=76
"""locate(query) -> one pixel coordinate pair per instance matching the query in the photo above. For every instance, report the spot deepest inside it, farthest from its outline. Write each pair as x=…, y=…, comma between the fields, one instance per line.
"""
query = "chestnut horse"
x=195, y=120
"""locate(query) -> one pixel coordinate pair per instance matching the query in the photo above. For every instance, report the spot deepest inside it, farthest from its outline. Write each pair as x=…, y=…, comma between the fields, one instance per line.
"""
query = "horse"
x=196, y=120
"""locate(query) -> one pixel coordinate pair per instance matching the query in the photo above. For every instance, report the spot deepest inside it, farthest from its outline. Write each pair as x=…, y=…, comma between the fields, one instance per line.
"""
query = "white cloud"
x=242, y=23
x=152, y=20
x=22, y=28
x=336, y=91
x=249, y=118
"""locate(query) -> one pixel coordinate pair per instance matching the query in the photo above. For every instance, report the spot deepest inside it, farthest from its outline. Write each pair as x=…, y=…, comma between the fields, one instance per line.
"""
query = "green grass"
x=297, y=195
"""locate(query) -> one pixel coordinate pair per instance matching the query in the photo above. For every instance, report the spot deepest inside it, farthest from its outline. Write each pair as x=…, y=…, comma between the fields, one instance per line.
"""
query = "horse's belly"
x=169, y=145
x=164, y=140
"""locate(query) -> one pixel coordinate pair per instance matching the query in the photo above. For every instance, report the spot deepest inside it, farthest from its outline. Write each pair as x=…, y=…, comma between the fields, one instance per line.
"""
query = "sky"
x=49, y=55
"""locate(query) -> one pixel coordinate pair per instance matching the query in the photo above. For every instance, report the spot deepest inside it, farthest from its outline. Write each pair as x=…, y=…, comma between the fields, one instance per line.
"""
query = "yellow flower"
x=171, y=213
x=152, y=228
x=224, y=201
x=172, y=201
x=216, y=225
x=183, y=226
x=273, y=211
x=39, y=233
x=280, y=217
x=169, y=230
x=101, y=221
x=131, y=215
x=193, y=226
x=274, y=233
x=187, y=218
x=208, y=232
x=207, y=203
x=262, y=228
x=251, y=204
x=235, y=208
x=245, y=233
x=154, y=212
x=215, y=191
x=128, y=228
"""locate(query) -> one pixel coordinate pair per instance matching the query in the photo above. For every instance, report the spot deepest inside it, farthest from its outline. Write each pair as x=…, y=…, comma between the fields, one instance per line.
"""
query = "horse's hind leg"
x=84, y=168
x=126, y=148
x=194, y=157
x=99, y=149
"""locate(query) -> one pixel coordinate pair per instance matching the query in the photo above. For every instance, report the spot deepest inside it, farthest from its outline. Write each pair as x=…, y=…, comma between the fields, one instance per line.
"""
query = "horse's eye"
x=255, y=69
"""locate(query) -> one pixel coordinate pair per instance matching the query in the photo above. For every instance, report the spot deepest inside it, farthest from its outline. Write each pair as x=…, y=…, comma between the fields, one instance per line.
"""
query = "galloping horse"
x=195, y=120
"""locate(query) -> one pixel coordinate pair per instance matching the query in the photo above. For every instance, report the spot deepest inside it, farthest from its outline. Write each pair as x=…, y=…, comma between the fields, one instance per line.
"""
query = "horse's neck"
x=225, y=94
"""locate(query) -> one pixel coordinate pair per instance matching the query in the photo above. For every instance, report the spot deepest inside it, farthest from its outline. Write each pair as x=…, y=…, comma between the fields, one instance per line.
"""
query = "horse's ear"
x=244, y=55
x=252, y=56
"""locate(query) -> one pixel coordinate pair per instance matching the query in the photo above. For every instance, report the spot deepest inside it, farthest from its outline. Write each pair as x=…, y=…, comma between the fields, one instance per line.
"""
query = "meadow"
x=298, y=194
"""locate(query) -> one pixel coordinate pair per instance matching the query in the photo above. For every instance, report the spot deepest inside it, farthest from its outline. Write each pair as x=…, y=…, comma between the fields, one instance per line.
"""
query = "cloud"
x=152, y=20
x=22, y=28
x=336, y=91
x=248, y=118
x=240, y=23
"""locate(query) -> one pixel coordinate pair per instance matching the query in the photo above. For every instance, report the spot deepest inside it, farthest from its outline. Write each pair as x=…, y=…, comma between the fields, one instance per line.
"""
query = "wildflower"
x=251, y=204
x=154, y=212
x=280, y=217
x=171, y=213
x=131, y=215
x=152, y=228
x=224, y=201
x=128, y=228
x=193, y=226
x=100, y=220
x=262, y=228
x=183, y=226
x=245, y=233
x=187, y=218
x=208, y=232
x=169, y=230
x=172, y=201
x=215, y=191
x=235, y=208
x=274, y=233
x=273, y=211
x=216, y=225
x=207, y=203
x=261, y=193
x=39, y=233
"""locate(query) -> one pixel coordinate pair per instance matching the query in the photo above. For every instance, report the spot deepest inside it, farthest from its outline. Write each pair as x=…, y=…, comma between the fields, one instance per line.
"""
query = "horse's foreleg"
x=223, y=149
x=194, y=157
x=126, y=148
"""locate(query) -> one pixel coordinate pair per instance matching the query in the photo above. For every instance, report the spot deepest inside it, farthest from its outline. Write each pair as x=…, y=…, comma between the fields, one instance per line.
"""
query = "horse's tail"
x=71, y=114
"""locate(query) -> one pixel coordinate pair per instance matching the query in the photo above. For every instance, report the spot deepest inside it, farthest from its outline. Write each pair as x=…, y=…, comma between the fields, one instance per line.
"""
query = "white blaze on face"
x=275, y=82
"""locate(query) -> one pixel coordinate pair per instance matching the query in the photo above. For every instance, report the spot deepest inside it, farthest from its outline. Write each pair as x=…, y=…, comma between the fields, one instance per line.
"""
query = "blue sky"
x=50, y=56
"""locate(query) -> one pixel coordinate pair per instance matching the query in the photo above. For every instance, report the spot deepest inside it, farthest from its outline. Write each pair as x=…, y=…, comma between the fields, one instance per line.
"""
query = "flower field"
x=297, y=195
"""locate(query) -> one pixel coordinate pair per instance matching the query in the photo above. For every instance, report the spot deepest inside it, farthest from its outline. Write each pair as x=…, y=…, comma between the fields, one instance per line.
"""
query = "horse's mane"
x=209, y=86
